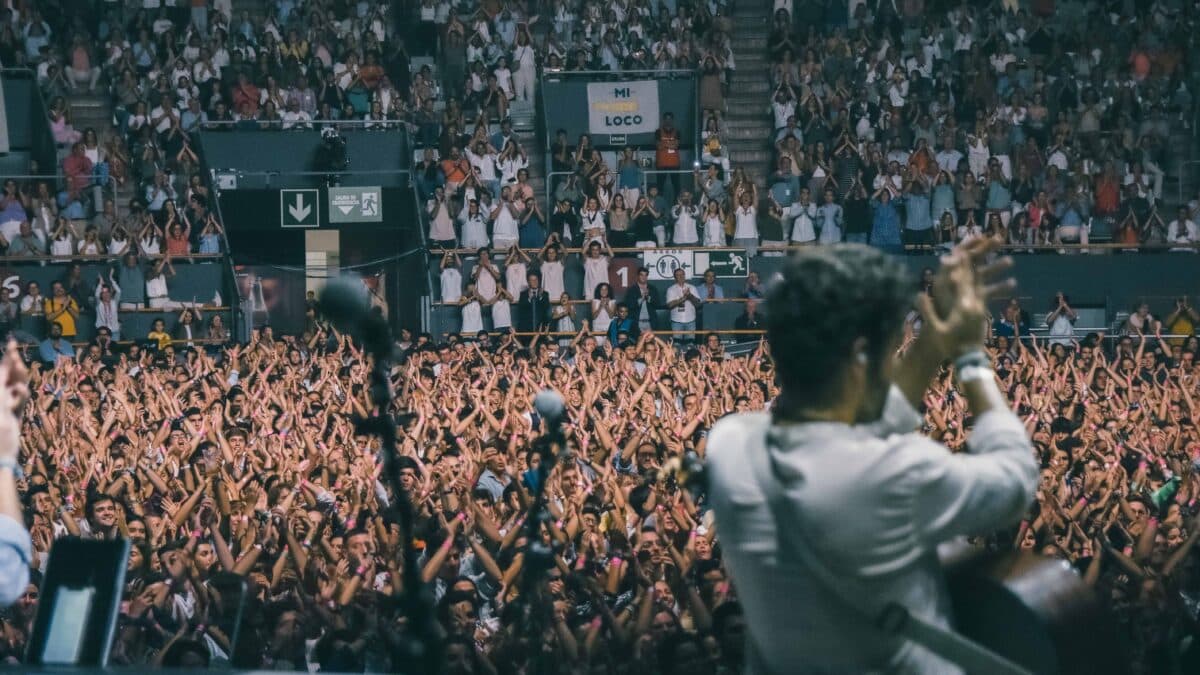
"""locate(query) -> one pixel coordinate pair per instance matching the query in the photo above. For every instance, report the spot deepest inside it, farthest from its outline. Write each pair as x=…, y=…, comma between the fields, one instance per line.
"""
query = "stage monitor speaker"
x=81, y=596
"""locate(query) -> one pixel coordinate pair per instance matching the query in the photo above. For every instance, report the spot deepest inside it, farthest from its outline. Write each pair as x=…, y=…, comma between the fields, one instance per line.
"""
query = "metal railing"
x=104, y=257
x=1193, y=247
x=1183, y=177
x=587, y=301
x=422, y=225
x=58, y=183
x=305, y=125
x=910, y=248
x=267, y=175
x=644, y=183
x=594, y=75
x=42, y=146
x=549, y=184
x=723, y=332
x=239, y=312
x=647, y=173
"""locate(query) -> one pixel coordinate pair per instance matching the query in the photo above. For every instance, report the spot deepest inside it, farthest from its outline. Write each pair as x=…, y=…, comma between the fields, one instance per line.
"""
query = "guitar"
x=1035, y=611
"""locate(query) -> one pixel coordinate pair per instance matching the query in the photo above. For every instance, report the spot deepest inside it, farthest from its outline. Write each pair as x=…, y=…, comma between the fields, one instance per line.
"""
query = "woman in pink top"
x=60, y=123
x=81, y=69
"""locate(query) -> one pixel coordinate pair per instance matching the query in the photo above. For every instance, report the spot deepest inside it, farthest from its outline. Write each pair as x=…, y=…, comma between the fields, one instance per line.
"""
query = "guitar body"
x=1035, y=611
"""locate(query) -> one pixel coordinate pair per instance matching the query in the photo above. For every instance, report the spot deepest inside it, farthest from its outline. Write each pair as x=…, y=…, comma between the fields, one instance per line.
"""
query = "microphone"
x=550, y=407
x=346, y=303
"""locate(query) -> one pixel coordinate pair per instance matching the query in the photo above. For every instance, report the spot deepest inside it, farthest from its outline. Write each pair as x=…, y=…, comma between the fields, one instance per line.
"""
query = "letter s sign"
x=12, y=283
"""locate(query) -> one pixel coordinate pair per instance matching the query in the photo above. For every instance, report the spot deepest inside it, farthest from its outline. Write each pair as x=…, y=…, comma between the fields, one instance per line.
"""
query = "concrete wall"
x=263, y=158
x=28, y=128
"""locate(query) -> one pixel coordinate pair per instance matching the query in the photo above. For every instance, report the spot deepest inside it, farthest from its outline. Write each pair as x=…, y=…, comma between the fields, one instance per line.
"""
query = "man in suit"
x=533, y=307
x=643, y=300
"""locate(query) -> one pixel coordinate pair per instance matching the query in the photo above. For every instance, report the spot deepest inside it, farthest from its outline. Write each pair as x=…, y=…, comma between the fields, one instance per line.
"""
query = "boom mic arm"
x=345, y=303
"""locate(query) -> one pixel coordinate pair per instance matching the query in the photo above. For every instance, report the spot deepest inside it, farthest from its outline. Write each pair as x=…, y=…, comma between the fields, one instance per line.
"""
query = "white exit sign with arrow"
x=299, y=208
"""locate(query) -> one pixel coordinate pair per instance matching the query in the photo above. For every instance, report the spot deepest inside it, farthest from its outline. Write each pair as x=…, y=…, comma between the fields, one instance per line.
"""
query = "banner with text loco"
x=616, y=108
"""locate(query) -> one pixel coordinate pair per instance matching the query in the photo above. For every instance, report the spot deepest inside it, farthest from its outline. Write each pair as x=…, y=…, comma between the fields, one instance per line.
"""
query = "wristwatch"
x=975, y=374
x=13, y=465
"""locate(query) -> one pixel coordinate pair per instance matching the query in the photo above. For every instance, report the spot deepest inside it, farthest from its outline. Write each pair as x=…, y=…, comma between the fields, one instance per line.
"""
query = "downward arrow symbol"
x=298, y=210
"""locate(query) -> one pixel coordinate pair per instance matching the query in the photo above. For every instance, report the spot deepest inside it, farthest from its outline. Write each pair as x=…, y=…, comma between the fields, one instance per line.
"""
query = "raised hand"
x=955, y=314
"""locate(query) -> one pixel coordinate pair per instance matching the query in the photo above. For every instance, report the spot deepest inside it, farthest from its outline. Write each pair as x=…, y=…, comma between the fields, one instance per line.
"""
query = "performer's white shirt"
x=872, y=502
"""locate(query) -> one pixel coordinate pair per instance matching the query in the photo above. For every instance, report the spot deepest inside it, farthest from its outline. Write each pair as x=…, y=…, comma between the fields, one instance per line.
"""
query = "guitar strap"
x=892, y=618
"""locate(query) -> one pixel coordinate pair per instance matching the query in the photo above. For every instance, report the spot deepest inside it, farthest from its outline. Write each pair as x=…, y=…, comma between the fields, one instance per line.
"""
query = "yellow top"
x=66, y=319
x=163, y=338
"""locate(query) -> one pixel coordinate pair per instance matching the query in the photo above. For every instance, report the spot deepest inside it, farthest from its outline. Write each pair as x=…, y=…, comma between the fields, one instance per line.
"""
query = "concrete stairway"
x=95, y=111
x=747, y=127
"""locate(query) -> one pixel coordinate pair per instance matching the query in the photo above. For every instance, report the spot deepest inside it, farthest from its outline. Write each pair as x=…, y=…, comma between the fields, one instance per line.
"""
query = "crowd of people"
x=971, y=121
x=529, y=293
x=893, y=125
x=38, y=219
x=913, y=126
x=246, y=463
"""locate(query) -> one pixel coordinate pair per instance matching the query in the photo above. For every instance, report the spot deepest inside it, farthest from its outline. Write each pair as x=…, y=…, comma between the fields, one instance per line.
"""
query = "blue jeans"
x=856, y=238
x=687, y=326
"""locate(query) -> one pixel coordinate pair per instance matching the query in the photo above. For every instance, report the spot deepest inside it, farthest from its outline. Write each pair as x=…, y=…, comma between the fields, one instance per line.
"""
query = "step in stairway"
x=746, y=128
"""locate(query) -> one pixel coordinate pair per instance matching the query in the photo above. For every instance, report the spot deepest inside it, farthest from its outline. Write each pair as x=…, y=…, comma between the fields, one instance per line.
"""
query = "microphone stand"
x=421, y=650
x=539, y=557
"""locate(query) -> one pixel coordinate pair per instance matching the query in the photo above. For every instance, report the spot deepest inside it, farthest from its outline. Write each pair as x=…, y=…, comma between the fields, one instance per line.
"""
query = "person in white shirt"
x=1183, y=231
x=745, y=221
x=451, y=278
x=295, y=118
x=835, y=476
x=510, y=161
x=963, y=38
x=802, y=214
x=505, y=221
x=948, y=159
x=108, y=304
x=783, y=106
x=685, y=214
x=1061, y=321
x=483, y=161
x=157, y=294
x=164, y=115
x=525, y=61
x=682, y=300
x=504, y=78
x=501, y=306
x=441, y=225
x=473, y=221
